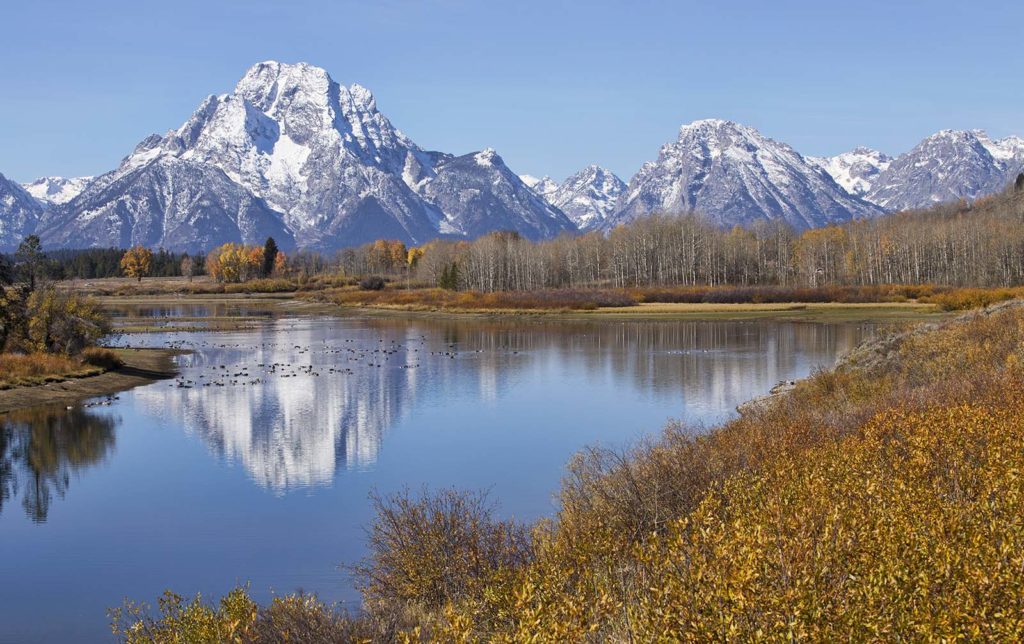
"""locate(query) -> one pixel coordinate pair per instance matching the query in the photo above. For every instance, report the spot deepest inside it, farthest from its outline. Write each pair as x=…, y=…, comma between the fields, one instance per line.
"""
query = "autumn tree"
x=137, y=262
x=233, y=262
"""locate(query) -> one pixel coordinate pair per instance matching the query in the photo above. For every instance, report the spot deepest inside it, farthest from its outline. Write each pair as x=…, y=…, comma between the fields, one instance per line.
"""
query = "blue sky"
x=553, y=86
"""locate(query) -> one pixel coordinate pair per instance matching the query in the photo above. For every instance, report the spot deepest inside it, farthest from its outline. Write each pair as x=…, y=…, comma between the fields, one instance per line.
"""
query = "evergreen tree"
x=29, y=258
x=269, y=256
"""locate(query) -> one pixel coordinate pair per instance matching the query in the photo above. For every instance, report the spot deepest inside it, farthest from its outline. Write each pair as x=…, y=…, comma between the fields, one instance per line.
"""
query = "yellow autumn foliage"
x=881, y=500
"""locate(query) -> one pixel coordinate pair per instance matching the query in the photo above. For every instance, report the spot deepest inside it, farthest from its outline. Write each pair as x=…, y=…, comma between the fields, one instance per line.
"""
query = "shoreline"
x=141, y=367
x=796, y=311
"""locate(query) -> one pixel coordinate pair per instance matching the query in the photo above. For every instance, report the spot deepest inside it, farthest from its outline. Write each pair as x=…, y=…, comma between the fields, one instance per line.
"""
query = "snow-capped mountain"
x=734, y=175
x=290, y=150
x=172, y=203
x=543, y=186
x=855, y=170
x=19, y=214
x=56, y=190
x=587, y=197
x=946, y=166
x=478, y=194
x=293, y=154
x=1008, y=152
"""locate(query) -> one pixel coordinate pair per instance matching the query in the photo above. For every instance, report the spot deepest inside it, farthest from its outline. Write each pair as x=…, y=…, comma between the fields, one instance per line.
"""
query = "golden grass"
x=17, y=370
x=880, y=500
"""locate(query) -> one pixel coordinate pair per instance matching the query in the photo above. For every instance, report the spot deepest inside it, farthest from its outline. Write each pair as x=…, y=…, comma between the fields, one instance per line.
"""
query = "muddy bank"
x=141, y=366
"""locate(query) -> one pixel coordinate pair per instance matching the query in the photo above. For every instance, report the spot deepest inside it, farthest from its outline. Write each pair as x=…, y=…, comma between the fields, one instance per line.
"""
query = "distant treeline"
x=94, y=263
x=958, y=244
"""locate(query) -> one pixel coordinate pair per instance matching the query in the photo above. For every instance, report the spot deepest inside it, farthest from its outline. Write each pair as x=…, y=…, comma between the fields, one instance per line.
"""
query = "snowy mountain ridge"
x=56, y=190
x=855, y=170
x=734, y=175
x=291, y=153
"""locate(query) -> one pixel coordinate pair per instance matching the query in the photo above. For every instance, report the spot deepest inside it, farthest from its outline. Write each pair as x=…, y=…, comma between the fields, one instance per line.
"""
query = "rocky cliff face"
x=291, y=151
x=856, y=171
x=19, y=214
x=735, y=176
x=946, y=166
x=588, y=197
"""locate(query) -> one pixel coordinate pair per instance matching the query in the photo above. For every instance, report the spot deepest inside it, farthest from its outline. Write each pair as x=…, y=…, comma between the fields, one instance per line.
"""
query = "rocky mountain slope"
x=19, y=214
x=946, y=166
x=735, y=176
x=588, y=197
x=56, y=190
x=290, y=152
x=856, y=170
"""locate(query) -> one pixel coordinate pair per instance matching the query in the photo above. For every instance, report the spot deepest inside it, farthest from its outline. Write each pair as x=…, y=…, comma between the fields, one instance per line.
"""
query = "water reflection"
x=294, y=400
x=41, y=448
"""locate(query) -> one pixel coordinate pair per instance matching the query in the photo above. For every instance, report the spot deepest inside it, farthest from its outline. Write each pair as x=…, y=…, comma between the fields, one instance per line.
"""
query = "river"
x=256, y=464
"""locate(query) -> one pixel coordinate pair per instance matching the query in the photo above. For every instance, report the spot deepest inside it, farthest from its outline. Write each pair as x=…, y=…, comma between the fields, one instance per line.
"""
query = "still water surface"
x=258, y=468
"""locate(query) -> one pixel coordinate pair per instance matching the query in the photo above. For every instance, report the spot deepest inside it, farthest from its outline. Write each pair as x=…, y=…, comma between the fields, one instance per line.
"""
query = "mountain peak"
x=735, y=175
x=856, y=170
x=487, y=157
x=56, y=190
x=946, y=166
x=706, y=124
x=292, y=153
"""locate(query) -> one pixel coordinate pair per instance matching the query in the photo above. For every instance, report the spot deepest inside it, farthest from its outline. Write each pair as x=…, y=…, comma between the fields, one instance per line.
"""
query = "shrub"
x=963, y=299
x=102, y=357
x=237, y=618
x=59, y=322
x=372, y=283
x=864, y=502
x=436, y=548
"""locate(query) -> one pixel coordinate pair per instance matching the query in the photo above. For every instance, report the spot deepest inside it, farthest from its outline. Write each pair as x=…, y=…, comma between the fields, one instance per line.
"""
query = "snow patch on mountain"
x=855, y=170
x=733, y=174
x=588, y=197
x=316, y=155
x=56, y=190
x=946, y=166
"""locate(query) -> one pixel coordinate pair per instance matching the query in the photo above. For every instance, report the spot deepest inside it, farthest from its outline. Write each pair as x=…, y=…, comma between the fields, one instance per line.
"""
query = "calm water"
x=259, y=468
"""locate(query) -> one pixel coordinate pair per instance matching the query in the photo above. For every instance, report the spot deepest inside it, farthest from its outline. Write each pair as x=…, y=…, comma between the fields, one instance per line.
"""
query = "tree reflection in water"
x=41, y=447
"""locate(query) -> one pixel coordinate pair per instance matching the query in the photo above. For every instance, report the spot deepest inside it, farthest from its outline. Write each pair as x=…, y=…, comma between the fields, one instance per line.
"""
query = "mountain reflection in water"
x=298, y=399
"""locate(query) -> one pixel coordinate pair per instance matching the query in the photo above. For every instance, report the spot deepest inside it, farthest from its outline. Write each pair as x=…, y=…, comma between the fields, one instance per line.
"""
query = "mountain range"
x=290, y=153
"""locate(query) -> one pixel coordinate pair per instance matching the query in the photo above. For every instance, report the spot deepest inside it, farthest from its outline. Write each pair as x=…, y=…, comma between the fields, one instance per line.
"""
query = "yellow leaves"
x=864, y=506
x=137, y=262
x=413, y=257
x=235, y=262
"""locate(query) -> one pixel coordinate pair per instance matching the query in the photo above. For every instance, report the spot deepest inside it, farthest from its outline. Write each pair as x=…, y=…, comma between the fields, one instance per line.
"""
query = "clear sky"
x=553, y=86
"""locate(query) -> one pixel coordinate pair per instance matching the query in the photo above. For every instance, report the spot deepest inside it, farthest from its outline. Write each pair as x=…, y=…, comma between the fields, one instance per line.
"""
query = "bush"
x=101, y=357
x=372, y=283
x=38, y=368
x=963, y=299
x=435, y=549
x=50, y=321
x=63, y=322
x=863, y=503
x=237, y=618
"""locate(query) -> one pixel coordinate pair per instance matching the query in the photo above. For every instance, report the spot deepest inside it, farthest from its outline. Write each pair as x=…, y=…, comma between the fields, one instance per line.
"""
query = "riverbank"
x=140, y=367
x=259, y=307
x=848, y=495
x=324, y=295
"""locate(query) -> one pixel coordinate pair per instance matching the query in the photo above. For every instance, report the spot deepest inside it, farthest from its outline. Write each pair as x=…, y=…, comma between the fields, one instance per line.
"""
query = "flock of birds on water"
x=349, y=355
